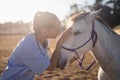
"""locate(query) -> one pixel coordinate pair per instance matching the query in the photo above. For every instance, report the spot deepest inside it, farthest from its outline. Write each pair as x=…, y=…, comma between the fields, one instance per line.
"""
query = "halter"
x=80, y=60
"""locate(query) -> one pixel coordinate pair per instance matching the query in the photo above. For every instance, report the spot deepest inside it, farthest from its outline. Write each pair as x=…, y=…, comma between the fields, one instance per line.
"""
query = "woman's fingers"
x=64, y=35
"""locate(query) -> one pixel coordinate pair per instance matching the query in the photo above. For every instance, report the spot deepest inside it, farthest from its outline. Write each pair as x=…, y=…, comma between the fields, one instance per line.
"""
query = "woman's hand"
x=64, y=36
x=56, y=53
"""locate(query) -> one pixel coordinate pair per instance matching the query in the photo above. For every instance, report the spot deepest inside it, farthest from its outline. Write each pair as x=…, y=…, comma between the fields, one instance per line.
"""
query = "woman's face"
x=52, y=32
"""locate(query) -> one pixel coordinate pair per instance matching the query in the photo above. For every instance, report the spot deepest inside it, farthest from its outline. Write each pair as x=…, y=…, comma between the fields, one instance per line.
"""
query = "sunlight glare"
x=24, y=10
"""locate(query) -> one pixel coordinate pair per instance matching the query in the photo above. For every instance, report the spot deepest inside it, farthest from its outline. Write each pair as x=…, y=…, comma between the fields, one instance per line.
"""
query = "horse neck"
x=106, y=52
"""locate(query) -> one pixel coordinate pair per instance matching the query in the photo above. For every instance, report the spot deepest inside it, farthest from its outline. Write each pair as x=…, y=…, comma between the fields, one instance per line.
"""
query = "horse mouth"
x=62, y=64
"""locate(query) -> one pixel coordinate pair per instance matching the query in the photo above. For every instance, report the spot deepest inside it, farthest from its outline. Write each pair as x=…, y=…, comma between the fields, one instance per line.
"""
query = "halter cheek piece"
x=80, y=60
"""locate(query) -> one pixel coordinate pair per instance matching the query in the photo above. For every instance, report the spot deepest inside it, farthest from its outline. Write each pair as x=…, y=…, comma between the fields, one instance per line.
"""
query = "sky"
x=24, y=10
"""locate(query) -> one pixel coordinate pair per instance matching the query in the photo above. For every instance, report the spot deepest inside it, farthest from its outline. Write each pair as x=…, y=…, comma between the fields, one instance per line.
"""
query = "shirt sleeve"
x=31, y=57
x=33, y=60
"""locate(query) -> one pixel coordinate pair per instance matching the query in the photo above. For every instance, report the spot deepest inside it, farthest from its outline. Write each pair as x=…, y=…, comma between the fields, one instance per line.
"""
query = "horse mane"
x=106, y=26
x=103, y=22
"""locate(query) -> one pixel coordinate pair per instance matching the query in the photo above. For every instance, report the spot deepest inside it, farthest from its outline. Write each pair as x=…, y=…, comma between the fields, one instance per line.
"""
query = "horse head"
x=81, y=40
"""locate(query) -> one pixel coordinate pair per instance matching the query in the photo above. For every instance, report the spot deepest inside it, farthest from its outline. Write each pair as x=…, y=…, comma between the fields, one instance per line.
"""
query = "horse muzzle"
x=62, y=63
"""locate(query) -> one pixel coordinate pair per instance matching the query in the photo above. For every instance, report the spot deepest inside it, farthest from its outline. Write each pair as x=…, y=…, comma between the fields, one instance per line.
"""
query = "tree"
x=110, y=11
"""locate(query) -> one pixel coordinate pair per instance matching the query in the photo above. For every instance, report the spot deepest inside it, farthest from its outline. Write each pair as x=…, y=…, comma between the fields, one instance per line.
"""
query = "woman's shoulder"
x=28, y=43
x=30, y=36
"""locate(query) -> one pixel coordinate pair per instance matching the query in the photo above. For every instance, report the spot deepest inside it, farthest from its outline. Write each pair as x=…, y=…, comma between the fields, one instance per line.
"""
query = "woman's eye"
x=77, y=33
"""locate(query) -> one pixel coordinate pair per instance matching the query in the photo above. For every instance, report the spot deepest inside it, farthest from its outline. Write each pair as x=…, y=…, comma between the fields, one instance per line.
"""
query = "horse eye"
x=77, y=33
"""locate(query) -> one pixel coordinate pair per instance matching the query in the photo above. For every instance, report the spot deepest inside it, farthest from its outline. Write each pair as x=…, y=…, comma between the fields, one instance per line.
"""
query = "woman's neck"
x=41, y=39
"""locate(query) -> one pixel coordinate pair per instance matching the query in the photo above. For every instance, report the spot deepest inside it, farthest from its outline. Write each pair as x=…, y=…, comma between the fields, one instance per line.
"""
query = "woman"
x=30, y=56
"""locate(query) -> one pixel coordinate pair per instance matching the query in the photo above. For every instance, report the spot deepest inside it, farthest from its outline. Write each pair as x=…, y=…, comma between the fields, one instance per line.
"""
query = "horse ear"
x=93, y=14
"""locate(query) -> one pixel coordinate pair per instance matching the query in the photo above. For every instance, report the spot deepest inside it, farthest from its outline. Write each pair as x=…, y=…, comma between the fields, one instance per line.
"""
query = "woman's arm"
x=54, y=58
x=56, y=53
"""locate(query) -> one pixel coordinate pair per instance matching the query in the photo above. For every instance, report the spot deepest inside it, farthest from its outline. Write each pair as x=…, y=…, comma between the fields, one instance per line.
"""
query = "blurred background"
x=16, y=18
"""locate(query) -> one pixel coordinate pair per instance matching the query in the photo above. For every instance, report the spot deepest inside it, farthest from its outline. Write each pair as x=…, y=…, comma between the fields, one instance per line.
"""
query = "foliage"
x=15, y=28
x=110, y=10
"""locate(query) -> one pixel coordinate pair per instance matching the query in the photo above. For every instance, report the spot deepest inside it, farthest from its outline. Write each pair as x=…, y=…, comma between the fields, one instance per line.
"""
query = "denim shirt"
x=26, y=60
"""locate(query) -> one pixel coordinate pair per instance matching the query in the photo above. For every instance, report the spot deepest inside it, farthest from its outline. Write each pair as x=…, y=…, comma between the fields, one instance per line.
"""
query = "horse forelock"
x=78, y=16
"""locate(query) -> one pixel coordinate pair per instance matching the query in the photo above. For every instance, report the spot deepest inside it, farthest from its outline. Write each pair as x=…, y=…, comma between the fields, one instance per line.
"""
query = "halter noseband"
x=80, y=60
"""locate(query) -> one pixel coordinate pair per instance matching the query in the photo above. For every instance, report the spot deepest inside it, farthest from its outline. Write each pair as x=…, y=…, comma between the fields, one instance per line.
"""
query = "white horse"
x=91, y=33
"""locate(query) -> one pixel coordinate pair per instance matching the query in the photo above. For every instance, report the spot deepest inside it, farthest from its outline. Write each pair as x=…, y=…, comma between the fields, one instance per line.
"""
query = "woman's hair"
x=44, y=19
